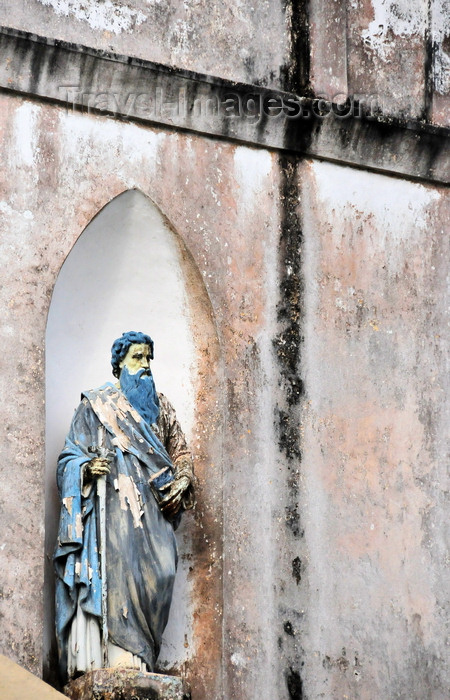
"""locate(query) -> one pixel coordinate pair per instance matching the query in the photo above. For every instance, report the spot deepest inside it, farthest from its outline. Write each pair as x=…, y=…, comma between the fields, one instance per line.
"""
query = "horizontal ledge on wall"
x=94, y=81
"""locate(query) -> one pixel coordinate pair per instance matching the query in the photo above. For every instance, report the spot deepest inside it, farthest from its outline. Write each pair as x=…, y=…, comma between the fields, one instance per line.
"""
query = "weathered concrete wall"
x=374, y=425
x=241, y=41
x=395, y=53
x=392, y=55
x=320, y=440
x=90, y=80
x=60, y=169
x=387, y=53
x=327, y=287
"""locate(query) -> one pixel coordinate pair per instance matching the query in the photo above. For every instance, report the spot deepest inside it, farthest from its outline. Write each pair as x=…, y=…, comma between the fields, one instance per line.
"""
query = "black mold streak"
x=54, y=61
x=289, y=311
x=262, y=124
x=430, y=49
x=395, y=145
x=287, y=626
x=287, y=345
x=294, y=684
x=297, y=569
x=37, y=59
x=293, y=518
x=295, y=73
x=288, y=434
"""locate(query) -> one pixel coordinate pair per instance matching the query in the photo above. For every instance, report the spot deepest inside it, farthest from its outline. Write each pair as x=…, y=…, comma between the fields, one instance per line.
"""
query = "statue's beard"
x=140, y=391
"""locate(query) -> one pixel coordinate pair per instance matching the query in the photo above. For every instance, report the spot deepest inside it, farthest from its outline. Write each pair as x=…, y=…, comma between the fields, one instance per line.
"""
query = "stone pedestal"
x=126, y=684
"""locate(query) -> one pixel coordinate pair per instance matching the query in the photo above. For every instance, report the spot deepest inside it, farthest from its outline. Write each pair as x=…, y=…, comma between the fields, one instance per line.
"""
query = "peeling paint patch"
x=5, y=208
x=109, y=418
x=355, y=192
x=238, y=660
x=440, y=33
x=25, y=132
x=394, y=18
x=130, y=498
x=104, y=16
x=67, y=502
x=251, y=167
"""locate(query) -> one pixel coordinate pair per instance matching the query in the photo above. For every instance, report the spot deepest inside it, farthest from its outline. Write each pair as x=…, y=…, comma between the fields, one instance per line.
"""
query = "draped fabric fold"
x=141, y=554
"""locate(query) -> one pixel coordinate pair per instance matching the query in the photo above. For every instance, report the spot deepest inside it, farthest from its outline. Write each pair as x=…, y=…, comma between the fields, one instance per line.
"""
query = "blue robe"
x=141, y=554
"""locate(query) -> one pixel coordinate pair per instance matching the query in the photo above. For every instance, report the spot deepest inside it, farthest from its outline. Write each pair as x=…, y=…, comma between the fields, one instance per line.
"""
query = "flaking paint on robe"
x=141, y=554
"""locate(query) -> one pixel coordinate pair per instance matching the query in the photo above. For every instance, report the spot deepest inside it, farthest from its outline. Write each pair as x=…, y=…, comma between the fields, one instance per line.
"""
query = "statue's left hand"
x=170, y=505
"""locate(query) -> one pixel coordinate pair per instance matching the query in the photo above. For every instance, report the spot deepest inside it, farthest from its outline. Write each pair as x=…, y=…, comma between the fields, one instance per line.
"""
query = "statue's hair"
x=121, y=346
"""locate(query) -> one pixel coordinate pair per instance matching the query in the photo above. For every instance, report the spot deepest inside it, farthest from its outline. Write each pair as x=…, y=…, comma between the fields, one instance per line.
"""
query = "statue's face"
x=137, y=357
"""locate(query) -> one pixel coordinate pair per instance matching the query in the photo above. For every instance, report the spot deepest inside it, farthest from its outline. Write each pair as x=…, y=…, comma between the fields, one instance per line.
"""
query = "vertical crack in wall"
x=287, y=345
x=294, y=75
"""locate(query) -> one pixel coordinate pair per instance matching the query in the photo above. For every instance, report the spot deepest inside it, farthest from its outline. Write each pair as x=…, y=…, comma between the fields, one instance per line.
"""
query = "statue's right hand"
x=97, y=467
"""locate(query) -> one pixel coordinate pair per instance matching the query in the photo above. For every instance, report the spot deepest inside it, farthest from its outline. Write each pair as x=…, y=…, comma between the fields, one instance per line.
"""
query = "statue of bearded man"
x=141, y=438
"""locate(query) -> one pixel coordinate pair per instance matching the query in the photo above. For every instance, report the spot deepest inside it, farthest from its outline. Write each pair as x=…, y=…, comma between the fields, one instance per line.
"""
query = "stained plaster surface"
x=88, y=79
x=242, y=41
x=375, y=435
x=391, y=54
x=60, y=170
x=337, y=547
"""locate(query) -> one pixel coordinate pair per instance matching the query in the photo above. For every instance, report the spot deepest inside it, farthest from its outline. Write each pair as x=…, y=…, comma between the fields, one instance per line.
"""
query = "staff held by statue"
x=102, y=453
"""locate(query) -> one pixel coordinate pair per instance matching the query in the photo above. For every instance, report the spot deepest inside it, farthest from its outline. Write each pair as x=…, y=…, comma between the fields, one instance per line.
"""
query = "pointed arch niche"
x=129, y=270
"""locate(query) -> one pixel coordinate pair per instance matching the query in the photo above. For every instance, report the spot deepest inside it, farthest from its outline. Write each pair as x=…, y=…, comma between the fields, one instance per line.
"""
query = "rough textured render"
x=317, y=558
x=328, y=35
x=386, y=53
x=394, y=55
x=65, y=168
x=440, y=44
x=106, y=16
x=375, y=421
x=242, y=41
